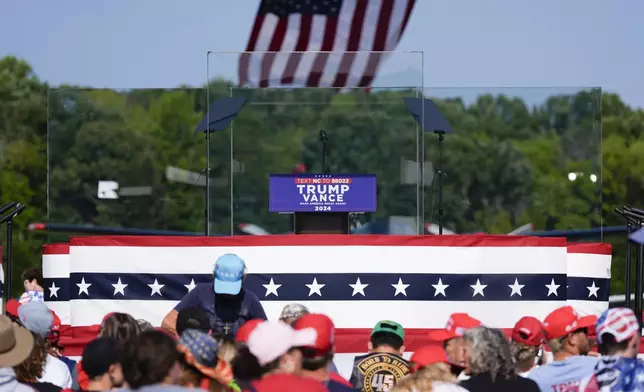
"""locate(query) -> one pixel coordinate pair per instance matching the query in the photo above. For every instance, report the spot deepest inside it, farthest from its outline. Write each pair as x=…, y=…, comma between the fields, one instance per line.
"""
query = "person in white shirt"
x=526, y=344
x=37, y=318
x=56, y=372
x=430, y=371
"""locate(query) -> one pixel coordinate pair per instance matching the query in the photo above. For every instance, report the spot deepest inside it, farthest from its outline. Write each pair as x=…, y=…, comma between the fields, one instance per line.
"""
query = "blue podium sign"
x=322, y=192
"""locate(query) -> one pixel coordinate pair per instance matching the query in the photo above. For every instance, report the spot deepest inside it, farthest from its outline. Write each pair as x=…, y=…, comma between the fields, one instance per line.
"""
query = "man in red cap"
x=527, y=344
x=427, y=355
x=316, y=359
x=452, y=338
x=567, y=336
x=434, y=361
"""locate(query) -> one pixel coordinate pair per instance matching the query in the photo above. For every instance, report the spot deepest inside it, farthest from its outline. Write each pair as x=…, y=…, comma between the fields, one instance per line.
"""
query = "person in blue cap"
x=228, y=304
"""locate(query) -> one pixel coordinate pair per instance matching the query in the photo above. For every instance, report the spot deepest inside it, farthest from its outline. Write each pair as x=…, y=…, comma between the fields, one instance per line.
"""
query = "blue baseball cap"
x=229, y=272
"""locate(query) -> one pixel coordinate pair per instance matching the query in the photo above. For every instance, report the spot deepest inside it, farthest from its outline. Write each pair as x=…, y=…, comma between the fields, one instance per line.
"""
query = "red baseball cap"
x=324, y=329
x=244, y=331
x=456, y=325
x=11, y=307
x=57, y=323
x=529, y=331
x=592, y=320
x=427, y=355
x=563, y=321
x=54, y=334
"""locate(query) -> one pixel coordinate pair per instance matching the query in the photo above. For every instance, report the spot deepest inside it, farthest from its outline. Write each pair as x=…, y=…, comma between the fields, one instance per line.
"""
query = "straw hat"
x=16, y=343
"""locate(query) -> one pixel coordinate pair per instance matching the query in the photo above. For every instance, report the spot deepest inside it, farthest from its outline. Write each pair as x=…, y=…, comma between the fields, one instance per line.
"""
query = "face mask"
x=227, y=297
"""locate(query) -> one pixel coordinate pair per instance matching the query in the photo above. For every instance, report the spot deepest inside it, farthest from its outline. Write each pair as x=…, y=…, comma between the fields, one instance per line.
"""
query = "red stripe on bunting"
x=591, y=248
x=479, y=240
x=347, y=340
x=55, y=249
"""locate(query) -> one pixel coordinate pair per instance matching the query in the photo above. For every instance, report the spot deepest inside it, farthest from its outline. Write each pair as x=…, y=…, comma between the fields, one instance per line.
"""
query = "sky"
x=525, y=48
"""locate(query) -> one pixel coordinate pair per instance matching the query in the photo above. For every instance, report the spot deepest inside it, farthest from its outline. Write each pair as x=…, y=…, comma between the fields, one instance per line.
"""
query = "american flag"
x=345, y=41
x=357, y=280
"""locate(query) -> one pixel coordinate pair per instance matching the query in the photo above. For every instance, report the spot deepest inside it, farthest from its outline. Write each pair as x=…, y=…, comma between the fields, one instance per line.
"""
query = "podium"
x=320, y=223
x=321, y=203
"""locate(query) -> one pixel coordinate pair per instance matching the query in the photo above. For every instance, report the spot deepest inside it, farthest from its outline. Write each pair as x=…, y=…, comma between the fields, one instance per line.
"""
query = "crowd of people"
x=296, y=352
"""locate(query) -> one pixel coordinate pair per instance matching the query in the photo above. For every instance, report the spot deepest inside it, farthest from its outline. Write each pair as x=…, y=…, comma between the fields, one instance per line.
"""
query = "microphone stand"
x=634, y=220
x=324, y=138
x=441, y=211
x=630, y=225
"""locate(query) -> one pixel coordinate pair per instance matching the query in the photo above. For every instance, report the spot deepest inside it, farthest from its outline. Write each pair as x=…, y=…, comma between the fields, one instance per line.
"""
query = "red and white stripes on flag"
x=321, y=43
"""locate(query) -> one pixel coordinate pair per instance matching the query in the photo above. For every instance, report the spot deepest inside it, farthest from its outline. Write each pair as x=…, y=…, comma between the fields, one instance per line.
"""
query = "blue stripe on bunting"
x=337, y=287
x=588, y=289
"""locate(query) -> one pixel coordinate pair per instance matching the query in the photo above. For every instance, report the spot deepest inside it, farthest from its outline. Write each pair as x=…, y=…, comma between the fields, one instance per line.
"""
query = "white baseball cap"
x=272, y=339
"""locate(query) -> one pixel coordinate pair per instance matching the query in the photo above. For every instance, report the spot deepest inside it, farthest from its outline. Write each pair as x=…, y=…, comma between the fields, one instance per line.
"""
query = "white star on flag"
x=119, y=287
x=552, y=288
x=156, y=288
x=83, y=287
x=190, y=286
x=315, y=287
x=53, y=290
x=440, y=288
x=271, y=288
x=400, y=287
x=592, y=290
x=478, y=288
x=516, y=288
x=358, y=287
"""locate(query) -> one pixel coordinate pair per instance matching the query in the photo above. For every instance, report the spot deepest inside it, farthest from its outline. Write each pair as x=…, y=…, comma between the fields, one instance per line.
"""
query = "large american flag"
x=349, y=37
x=357, y=280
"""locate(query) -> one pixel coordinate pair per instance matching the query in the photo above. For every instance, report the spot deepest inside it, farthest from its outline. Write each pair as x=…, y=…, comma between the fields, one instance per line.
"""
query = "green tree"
x=23, y=155
x=507, y=164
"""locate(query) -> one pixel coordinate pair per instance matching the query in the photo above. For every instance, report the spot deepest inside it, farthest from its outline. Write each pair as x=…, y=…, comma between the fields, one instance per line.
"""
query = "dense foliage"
x=507, y=164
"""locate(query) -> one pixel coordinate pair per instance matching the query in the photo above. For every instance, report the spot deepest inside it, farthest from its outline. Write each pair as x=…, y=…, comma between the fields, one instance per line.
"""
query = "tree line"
x=564, y=163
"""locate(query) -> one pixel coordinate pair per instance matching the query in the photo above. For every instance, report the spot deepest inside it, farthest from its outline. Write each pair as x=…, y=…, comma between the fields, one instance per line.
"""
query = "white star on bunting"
x=53, y=290
x=315, y=287
x=592, y=290
x=271, y=288
x=156, y=288
x=83, y=287
x=358, y=287
x=401, y=288
x=440, y=288
x=516, y=288
x=478, y=288
x=119, y=288
x=191, y=285
x=552, y=288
